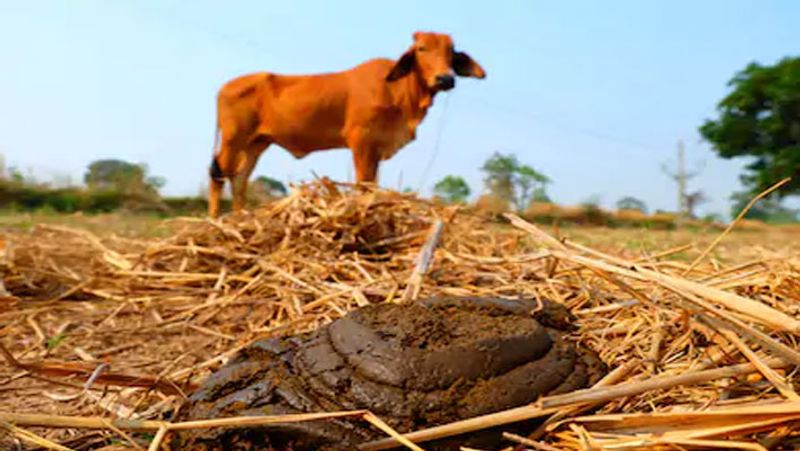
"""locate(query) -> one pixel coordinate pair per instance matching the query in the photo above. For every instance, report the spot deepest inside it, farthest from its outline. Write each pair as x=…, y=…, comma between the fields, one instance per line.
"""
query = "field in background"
x=639, y=239
x=123, y=224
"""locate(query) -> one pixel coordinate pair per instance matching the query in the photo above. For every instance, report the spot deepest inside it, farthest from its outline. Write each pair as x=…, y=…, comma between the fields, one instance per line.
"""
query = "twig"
x=65, y=369
x=552, y=404
x=156, y=443
x=656, y=383
x=734, y=223
x=756, y=310
x=785, y=389
x=124, y=435
x=529, y=442
x=618, y=374
x=380, y=424
x=423, y=263
x=30, y=437
x=749, y=307
x=61, y=421
x=721, y=320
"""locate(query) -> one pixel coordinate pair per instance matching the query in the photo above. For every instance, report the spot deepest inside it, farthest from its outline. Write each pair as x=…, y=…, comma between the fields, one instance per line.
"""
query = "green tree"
x=760, y=118
x=122, y=176
x=272, y=187
x=530, y=184
x=540, y=195
x=713, y=217
x=513, y=182
x=15, y=175
x=631, y=203
x=592, y=201
x=500, y=171
x=453, y=189
x=768, y=209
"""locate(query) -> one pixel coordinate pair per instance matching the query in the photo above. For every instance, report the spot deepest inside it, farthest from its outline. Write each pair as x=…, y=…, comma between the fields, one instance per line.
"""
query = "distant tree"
x=768, y=209
x=631, y=203
x=540, y=195
x=122, y=176
x=15, y=175
x=529, y=183
x=62, y=181
x=692, y=200
x=592, y=201
x=500, y=171
x=453, y=189
x=760, y=118
x=514, y=183
x=272, y=187
x=713, y=217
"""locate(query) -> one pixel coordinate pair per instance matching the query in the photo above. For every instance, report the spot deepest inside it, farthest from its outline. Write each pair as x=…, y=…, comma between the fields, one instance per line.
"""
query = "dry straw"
x=702, y=353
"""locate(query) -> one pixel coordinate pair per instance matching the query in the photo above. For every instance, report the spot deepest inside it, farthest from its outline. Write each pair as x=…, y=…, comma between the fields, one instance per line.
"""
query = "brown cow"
x=373, y=109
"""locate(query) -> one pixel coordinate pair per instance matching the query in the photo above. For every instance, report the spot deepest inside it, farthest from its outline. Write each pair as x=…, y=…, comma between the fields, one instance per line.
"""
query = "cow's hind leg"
x=224, y=166
x=215, y=186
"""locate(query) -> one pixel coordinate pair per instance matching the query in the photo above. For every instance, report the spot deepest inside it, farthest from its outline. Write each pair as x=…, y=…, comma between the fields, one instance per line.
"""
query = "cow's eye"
x=421, y=49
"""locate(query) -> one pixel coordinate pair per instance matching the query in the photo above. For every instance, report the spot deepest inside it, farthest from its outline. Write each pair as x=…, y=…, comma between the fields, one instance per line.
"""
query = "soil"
x=416, y=365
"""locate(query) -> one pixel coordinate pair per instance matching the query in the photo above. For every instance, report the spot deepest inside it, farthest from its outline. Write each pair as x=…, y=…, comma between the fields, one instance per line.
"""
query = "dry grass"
x=163, y=313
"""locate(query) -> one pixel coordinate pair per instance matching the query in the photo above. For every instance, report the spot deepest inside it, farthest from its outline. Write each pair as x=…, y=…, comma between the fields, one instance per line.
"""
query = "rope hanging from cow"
x=436, y=145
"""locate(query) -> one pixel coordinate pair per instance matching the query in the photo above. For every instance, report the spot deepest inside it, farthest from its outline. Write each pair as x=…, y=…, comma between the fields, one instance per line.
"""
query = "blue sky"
x=594, y=94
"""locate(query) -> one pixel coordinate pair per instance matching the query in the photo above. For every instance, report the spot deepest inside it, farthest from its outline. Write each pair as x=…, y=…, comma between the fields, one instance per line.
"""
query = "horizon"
x=574, y=89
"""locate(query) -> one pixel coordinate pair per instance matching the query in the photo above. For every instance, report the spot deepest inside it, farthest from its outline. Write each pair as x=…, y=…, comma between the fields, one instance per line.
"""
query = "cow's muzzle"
x=445, y=82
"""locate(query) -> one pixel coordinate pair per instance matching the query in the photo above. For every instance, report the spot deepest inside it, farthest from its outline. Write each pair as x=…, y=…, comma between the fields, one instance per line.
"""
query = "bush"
x=492, y=205
x=547, y=213
x=661, y=220
x=28, y=197
x=187, y=206
x=630, y=217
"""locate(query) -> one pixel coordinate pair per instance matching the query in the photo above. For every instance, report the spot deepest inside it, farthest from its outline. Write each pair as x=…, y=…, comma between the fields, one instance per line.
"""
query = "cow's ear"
x=402, y=67
x=465, y=66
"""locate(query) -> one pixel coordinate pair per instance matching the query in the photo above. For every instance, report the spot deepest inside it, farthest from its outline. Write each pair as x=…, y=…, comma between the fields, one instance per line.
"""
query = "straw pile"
x=703, y=353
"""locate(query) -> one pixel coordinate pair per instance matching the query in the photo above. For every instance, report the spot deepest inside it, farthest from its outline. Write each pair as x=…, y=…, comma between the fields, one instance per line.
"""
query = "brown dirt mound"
x=414, y=365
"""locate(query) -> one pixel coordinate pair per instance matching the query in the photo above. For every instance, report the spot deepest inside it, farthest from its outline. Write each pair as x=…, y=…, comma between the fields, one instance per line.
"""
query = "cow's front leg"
x=366, y=159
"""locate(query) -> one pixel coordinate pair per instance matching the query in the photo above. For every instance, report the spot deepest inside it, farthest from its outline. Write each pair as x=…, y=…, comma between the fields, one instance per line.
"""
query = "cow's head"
x=435, y=60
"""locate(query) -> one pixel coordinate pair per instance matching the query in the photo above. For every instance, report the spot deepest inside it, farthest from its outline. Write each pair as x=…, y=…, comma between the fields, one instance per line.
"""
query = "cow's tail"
x=215, y=172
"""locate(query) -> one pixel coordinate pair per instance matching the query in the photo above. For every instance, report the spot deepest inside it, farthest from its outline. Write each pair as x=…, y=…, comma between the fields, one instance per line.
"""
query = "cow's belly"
x=303, y=124
x=301, y=144
x=302, y=134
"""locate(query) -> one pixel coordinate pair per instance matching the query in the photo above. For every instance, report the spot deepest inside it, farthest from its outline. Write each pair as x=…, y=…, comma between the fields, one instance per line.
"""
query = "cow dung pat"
x=415, y=365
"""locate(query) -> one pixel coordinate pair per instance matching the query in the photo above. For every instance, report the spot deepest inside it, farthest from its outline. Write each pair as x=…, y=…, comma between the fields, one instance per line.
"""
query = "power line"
x=549, y=118
x=436, y=144
x=244, y=41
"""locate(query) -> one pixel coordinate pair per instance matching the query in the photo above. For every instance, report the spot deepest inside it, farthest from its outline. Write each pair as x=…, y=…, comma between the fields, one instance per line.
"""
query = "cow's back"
x=318, y=111
x=304, y=113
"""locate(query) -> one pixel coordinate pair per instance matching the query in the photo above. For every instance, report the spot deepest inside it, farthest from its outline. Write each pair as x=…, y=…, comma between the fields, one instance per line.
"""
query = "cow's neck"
x=415, y=97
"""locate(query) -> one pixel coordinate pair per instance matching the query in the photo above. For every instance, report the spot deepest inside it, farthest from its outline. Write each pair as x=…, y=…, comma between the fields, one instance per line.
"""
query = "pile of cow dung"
x=700, y=338
x=416, y=365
